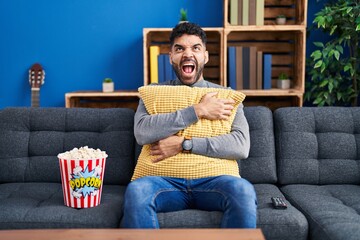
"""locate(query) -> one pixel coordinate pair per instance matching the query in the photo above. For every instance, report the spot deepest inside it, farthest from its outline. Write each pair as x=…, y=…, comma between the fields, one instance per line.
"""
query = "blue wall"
x=80, y=42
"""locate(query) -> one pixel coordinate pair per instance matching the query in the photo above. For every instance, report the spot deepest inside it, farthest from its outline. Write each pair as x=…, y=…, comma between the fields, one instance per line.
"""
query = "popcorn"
x=82, y=174
x=83, y=153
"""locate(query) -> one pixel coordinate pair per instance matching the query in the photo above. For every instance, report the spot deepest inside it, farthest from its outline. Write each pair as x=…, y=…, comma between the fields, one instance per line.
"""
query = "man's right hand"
x=213, y=108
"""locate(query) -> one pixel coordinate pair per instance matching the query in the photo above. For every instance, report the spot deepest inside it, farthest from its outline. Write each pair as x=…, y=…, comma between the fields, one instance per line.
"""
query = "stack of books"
x=248, y=68
x=246, y=12
x=160, y=67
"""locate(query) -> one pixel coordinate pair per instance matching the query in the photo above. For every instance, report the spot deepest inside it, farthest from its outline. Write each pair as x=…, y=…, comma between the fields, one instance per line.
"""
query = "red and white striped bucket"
x=82, y=182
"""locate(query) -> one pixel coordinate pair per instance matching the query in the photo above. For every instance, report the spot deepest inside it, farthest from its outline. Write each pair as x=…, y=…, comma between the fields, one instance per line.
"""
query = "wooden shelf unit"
x=286, y=43
x=99, y=99
x=294, y=10
x=214, y=69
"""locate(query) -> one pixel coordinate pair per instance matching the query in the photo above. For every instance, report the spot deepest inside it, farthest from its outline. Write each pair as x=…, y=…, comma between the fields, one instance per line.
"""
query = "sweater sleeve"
x=151, y=128
x=234, y=145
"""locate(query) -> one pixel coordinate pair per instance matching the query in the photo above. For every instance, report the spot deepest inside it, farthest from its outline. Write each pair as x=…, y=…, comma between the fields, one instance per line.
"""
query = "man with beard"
x=233, y=195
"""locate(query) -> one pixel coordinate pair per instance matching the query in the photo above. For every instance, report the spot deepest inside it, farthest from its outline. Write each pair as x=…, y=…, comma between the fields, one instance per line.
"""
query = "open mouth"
x=188, y=68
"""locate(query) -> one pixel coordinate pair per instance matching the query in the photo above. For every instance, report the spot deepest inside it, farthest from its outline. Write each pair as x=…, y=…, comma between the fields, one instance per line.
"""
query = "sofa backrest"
x=31, y=139
x=260, y=166
x=318, y=145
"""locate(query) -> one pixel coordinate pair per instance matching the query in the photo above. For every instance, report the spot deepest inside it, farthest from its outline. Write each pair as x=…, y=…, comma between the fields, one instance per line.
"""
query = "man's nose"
x=188, y=52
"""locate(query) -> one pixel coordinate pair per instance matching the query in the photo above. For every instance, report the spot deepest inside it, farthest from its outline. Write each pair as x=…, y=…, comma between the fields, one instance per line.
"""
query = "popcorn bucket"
x=82, y=181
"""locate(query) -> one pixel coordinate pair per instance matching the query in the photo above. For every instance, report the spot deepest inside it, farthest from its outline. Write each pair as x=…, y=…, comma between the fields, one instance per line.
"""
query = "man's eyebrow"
x=195, y=45
x=178, y=45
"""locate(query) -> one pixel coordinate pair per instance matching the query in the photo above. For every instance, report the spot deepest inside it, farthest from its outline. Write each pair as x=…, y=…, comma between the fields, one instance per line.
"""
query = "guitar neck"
x=35, y=97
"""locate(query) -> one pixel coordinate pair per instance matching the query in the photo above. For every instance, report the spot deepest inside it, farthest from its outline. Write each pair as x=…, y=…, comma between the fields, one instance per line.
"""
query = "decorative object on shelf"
x=36, y=79
x=280, y=19
x=108, y=85
x=283, y=81
x=183, y=15
x=333, y=70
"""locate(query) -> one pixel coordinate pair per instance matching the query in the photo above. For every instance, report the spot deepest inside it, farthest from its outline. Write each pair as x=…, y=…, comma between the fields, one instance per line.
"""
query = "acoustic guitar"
x=36, y=79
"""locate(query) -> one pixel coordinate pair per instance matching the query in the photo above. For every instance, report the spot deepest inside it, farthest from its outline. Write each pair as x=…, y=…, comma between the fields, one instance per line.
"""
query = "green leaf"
x=339, y=48
x=316, y=55
x=357, y=27
x=319, y=44
x=318, y=64
x=338, y=95
x=347, y=67
x=352, y=71
x=317, y=101
x=323, y=83
x=337, y=55
x=349, y=10
x=331, y=87
x=333, y=29
x=323, y=67
x=357, y=20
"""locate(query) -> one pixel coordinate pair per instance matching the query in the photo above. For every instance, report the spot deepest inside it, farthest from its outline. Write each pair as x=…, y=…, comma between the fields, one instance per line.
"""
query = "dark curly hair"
x=187, y=28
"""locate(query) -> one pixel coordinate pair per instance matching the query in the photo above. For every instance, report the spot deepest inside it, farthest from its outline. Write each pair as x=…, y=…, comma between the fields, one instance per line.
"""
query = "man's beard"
x=177, y=69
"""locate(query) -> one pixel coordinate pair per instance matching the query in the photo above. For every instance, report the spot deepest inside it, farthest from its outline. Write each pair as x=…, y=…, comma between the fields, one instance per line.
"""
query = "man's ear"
x=206, y=57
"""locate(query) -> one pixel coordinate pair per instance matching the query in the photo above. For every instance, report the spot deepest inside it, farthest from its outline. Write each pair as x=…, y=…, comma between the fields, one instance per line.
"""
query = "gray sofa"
x=308, y=155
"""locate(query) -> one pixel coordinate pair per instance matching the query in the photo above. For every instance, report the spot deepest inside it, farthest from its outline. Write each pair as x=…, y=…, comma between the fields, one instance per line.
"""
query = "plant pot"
x=280, y=21
x=283, y=84
x=108, y=86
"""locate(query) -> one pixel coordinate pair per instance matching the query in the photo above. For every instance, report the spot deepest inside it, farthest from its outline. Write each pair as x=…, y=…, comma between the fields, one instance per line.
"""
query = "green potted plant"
x=183, y=15
x=280, y=19
x=333, y=69
x=108, y=85
x=283, y=81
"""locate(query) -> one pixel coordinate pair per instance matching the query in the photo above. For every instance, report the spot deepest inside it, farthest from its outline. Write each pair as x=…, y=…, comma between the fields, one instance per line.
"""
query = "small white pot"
x=283, y=84
x=108, y=87
x=280, y=21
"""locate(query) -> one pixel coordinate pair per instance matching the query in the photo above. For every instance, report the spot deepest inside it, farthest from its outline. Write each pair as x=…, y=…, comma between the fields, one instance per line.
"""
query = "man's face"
x=188, y=57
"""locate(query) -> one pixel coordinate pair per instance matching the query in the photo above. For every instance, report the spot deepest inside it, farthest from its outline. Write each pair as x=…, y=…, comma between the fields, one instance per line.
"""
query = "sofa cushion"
x=332, y=210
x=167, y=99
x=31, y=139
x=41, y=205
x=318, y=145
x=275, y=224
x=260, y=166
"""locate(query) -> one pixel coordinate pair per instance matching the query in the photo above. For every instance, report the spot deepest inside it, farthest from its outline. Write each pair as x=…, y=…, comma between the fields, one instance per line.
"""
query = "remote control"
x=279, y=203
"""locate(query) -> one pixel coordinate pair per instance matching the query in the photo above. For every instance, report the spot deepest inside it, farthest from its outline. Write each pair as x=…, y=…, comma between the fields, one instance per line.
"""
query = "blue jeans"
x=146, y=196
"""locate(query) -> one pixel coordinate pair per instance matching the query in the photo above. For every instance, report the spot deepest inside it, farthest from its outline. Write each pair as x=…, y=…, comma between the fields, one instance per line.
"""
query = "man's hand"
x=213, y=108
x=166, y=147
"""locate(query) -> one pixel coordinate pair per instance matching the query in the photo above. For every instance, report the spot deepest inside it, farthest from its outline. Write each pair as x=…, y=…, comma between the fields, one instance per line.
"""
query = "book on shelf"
x=234, y=12
x=267, y=61
x=252, y=12
x=232, y=67
x=169, y=71
x=239, y=68
x=252, y=67
x=246, y=12
x=259, y=70
x=245, y=67
x=240, y=12
x=165, y=70
x=161, y=68
x=260, y=9
x=154, y=74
